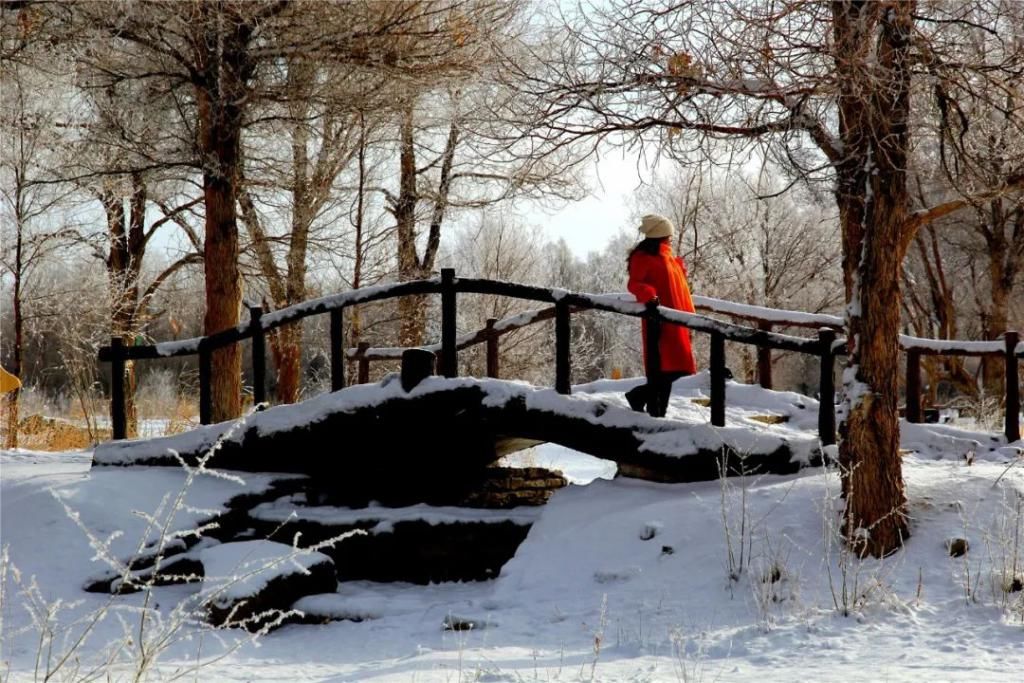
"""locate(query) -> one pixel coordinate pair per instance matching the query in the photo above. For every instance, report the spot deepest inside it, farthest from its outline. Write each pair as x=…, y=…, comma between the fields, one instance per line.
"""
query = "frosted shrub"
x=66, y=647
x=772, y=583
x=158, y=393
x=986, y=413
x=689, y=655
x=1005, y=554
x=854, y=581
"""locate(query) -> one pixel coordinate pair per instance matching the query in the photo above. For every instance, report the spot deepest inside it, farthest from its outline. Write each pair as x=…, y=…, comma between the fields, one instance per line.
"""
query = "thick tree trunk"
x=223, y=293
x=993, y=374
x=872, y=194
x=124, y=269
x=413, y=312
x=220, y=255
x=286, y=347
x=222, y=91
x=411, y=309
x=873, y=483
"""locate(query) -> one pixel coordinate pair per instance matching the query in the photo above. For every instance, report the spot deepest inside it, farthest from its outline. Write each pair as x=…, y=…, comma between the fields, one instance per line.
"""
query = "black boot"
x=637, y=398
x=657, y=402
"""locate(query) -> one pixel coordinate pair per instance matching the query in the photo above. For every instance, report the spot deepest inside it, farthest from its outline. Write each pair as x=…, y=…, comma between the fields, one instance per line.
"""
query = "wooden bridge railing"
x=825, y=345
x=1009, y=349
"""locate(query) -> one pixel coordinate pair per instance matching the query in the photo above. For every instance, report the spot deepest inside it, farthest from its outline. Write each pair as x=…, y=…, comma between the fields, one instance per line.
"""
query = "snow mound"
x=285, y=509
x=235, y=571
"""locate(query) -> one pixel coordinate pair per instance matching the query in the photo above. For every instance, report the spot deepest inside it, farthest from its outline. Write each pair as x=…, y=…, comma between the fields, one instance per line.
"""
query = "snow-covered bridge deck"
x=448, y=424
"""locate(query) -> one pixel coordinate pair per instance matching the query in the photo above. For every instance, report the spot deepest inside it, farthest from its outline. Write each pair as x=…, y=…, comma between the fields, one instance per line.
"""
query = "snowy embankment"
x=618, y=580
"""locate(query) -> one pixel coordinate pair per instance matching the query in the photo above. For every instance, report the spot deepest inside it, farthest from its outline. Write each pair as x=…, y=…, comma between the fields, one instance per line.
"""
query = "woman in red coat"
x=654, y=271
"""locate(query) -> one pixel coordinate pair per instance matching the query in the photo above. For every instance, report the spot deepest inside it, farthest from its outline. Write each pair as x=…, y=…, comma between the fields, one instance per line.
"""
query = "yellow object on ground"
x=8, y=382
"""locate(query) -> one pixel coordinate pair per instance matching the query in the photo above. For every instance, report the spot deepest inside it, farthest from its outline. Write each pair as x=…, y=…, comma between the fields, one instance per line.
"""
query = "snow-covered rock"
x=254, y=584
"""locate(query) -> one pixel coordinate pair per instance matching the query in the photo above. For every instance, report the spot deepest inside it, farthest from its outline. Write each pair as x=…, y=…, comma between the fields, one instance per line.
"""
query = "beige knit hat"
x=654, y=225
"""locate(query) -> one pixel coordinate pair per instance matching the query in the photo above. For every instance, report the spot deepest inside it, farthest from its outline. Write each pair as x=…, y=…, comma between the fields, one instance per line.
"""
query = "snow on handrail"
x=623, y=303
x=627, y=305
x=779, y=316
x=300, y=310
x=801, y=319
x=952, y=346
x=353, y=296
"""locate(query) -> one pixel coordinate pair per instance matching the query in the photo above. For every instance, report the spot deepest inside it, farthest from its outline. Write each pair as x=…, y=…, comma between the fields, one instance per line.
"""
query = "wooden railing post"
x=764, y=359
x=652, y=358
x=449, y=354
x=913, y=411
x=417, y=365
x=118, y=410
x=337, y=349
x=364, y=362
x=563, y=369
x=826, y=387
x=717, y=379
x=259, y=356
x=205, y=388
x=1011, y=339
x=492, y=348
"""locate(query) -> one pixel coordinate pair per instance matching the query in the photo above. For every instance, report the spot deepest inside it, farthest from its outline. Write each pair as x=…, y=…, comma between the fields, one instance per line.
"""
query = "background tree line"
x=165, y=165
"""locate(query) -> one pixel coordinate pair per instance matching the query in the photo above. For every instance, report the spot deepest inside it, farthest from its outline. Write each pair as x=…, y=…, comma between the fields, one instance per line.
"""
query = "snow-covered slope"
x=618, y=580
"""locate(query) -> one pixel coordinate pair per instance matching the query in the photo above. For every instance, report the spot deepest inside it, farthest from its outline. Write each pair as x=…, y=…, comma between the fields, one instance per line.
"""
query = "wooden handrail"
x=616, y=304
x=270, y=321
x=564, y=303
x=775, y=317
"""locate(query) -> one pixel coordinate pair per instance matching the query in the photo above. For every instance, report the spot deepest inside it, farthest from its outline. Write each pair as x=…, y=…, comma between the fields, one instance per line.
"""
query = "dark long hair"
x=648, y=245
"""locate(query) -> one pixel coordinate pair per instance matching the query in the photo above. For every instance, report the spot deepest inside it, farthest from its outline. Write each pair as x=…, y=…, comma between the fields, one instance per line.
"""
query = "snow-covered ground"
x=618, y=580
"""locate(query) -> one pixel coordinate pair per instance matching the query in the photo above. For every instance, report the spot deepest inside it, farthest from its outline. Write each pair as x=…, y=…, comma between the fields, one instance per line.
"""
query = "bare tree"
x=499, y=247
x=455, y=151
x=321, y=115
x=202, y=55
x=112, y=152
x=933, y=298
x=742, y=240
x=976, y=139
x=34, y=228
x=210, y=58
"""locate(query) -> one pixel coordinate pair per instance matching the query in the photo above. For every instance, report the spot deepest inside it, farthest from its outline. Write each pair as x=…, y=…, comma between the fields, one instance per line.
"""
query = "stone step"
x=417, y=544
x=253, y=584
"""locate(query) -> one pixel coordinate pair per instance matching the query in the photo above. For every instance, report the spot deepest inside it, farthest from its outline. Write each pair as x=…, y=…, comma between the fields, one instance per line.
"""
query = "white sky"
x=589, y=224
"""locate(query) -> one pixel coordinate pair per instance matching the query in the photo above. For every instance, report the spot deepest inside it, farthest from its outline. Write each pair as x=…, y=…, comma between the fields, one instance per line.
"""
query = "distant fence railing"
x=824, y=345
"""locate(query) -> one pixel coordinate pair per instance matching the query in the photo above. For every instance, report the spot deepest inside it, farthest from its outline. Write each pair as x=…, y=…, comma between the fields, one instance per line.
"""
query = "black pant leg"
x=661, y=391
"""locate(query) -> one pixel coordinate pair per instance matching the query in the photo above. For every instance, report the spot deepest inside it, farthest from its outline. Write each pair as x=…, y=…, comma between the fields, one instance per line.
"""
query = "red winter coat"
x=664, y=276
